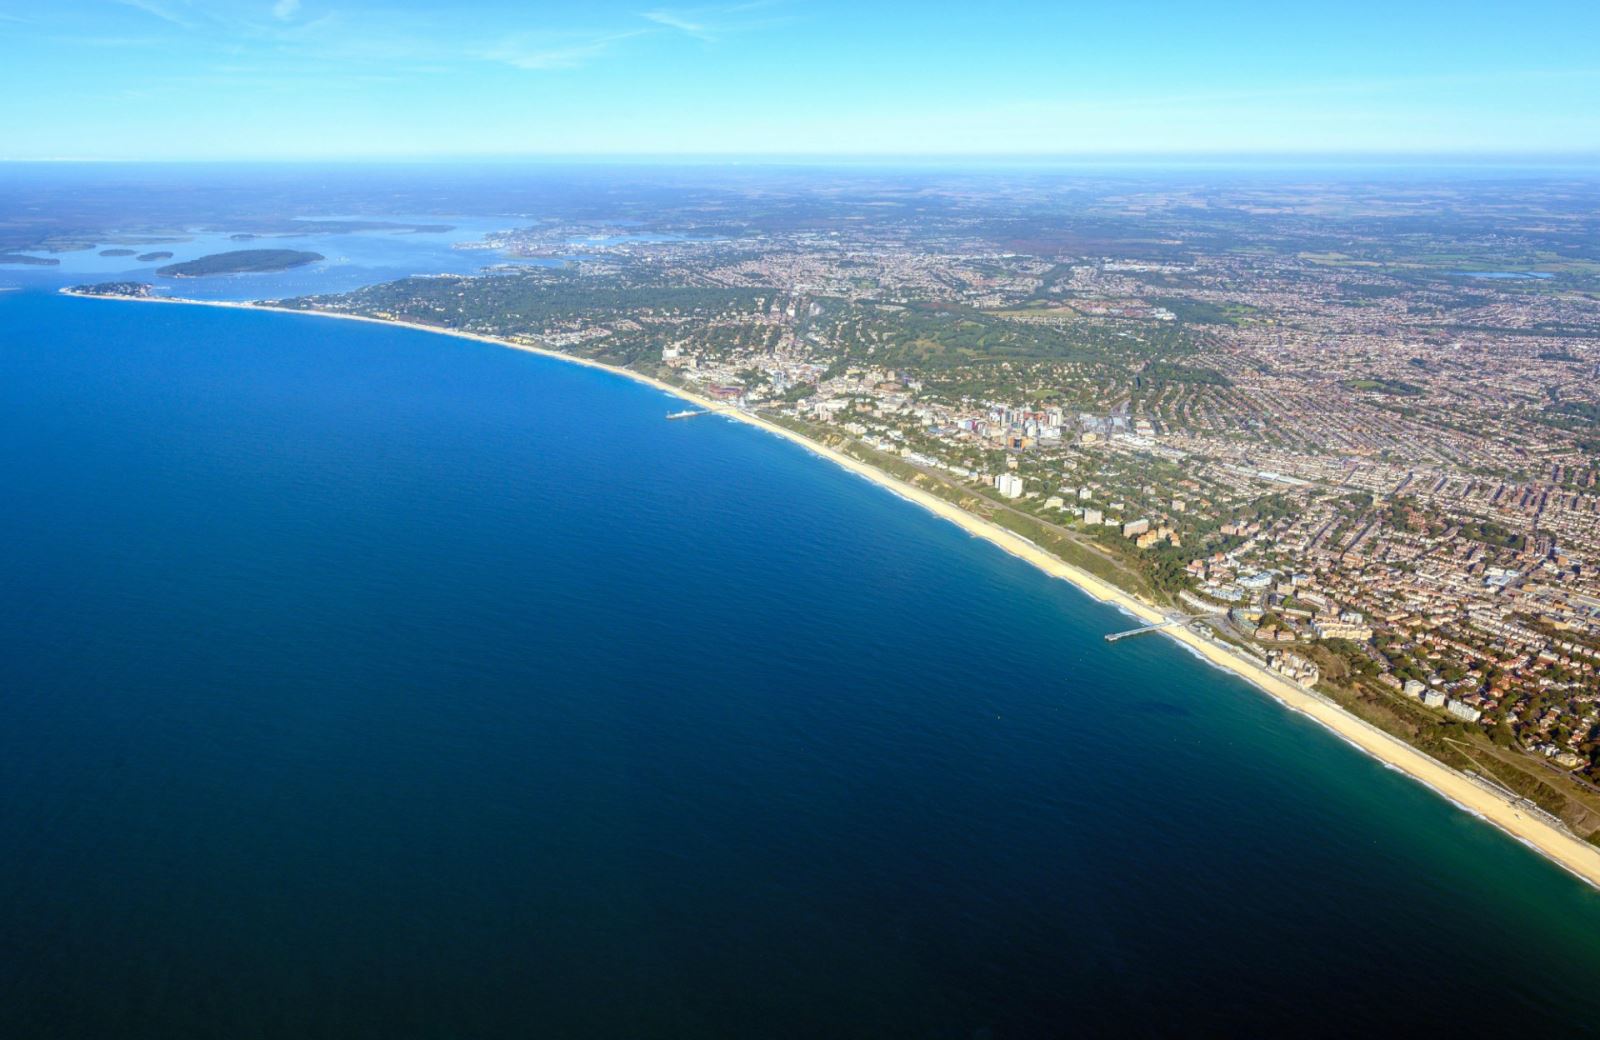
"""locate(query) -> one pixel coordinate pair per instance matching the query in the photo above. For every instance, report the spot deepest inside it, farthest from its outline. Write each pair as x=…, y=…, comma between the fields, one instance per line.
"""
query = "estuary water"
x=360, y=682
x=350, y=260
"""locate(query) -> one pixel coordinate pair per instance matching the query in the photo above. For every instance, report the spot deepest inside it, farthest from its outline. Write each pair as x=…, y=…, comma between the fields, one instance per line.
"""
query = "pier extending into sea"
x=688, y=413
x=1158, y=626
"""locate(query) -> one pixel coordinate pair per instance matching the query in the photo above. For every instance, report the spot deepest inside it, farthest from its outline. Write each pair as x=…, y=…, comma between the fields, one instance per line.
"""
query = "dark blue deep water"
x=357, y=682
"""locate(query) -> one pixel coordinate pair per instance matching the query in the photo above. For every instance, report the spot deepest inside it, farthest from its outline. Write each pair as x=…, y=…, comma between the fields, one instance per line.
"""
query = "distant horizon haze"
x=1589, y=159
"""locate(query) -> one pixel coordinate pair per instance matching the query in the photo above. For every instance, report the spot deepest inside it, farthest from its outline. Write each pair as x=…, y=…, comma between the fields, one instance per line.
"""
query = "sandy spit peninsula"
x=1556, y=844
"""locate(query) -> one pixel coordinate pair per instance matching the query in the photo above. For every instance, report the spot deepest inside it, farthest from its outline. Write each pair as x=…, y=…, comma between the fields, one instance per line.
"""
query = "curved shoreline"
x=1576, y=856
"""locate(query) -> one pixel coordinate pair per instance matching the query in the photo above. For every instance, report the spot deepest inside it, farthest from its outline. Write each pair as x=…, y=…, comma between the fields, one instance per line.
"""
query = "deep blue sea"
x=359, y=682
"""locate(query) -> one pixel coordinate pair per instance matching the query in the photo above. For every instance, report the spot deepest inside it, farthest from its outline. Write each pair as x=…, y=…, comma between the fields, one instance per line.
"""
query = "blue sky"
x=223, y=79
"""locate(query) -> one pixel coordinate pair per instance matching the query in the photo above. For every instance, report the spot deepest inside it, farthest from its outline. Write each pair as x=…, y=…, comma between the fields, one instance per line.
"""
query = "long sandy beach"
x=1556, y=844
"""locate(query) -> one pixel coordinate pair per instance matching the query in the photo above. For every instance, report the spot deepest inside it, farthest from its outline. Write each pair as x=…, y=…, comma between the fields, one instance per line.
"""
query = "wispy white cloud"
x=115, y=42
x=548, y=53
x=680, y=22
x=356, y=34
x=262, y=20
x=166, y=12
x=572, y=51
x=711, y=23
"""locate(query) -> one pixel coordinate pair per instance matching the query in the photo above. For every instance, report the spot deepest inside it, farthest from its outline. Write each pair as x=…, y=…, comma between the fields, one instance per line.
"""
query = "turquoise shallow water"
x=361, y=682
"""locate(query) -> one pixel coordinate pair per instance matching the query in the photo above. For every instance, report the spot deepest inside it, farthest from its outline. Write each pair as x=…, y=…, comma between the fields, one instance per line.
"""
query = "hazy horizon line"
x=1150, y=158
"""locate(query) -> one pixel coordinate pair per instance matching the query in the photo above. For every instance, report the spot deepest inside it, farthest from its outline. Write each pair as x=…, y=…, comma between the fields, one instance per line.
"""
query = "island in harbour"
x=32, y=261
x=241, y=261
x=151, y=257
x=118, y=252
x=130, y=290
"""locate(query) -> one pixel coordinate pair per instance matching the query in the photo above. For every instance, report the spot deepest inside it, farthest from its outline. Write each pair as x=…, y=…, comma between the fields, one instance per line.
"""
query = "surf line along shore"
x=1554, y=843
